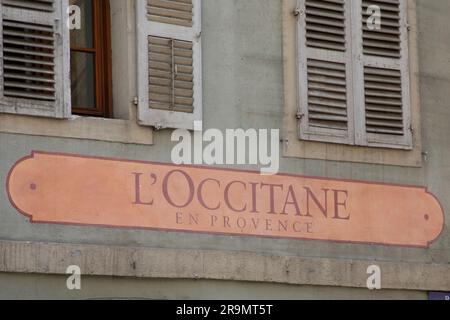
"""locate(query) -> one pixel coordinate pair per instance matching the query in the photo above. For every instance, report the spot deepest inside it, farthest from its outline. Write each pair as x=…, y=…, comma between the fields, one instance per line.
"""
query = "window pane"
x=82, y=80
x=83, y=38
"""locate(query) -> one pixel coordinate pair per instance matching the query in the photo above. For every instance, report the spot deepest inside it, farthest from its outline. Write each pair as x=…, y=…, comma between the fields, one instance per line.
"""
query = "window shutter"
x=169, y=63
x=383, y=66
x=34, y=58
x=325, y=74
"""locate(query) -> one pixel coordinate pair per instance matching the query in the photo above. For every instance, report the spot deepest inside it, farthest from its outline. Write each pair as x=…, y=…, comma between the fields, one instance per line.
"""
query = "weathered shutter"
x=169, y=63
x=325, y=71
x=34, y=58
x=384, y=74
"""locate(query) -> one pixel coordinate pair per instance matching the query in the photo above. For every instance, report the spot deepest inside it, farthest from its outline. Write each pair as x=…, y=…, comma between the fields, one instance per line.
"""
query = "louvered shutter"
x=384, y=77
x=325, y=74
x=34, y=58
x=169, y=63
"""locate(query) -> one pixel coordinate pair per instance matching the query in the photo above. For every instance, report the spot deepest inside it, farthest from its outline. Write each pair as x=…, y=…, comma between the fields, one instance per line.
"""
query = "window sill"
x=84, y=128
x=296, y=148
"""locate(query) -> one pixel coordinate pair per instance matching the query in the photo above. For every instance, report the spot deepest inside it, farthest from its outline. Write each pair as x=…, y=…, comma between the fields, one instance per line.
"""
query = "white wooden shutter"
x=34, y=58
x=325, y=71
x=169, y=63
x=383, y=76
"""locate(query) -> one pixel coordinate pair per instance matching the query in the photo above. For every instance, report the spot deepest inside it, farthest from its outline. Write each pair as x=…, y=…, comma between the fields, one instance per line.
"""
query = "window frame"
x=103, y=62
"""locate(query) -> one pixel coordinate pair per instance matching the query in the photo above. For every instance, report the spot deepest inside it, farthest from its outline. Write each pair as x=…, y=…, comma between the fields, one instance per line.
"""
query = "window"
x=45, y=70
x=90, y=60
x=354, y=78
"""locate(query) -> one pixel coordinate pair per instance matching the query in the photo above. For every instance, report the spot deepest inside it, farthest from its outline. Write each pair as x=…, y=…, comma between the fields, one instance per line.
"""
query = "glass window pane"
x=82, y=80
x=83, y=38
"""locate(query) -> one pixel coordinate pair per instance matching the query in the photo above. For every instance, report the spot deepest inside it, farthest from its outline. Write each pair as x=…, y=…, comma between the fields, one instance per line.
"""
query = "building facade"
x=357, y=91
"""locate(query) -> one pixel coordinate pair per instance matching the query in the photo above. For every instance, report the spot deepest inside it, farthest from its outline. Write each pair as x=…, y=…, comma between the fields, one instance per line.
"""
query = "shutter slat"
x=26, y=77
x=36, y=5
x=177, y=12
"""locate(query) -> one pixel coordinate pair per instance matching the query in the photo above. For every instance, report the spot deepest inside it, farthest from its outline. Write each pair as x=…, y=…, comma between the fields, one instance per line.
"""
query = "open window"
x=47, y=70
